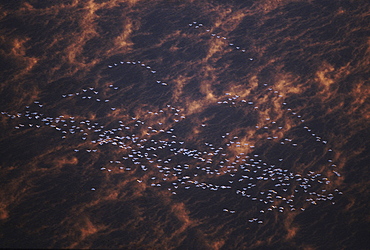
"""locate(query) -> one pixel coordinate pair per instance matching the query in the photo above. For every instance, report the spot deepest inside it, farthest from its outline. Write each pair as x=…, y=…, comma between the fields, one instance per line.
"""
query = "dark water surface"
x=184, y=124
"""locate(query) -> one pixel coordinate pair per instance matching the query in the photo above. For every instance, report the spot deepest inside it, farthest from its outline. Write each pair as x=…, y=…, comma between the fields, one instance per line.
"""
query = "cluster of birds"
x=197, y=25
x=151, y=147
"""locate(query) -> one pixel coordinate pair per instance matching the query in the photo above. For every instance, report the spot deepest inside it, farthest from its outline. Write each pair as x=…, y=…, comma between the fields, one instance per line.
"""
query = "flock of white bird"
x=150, y=145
